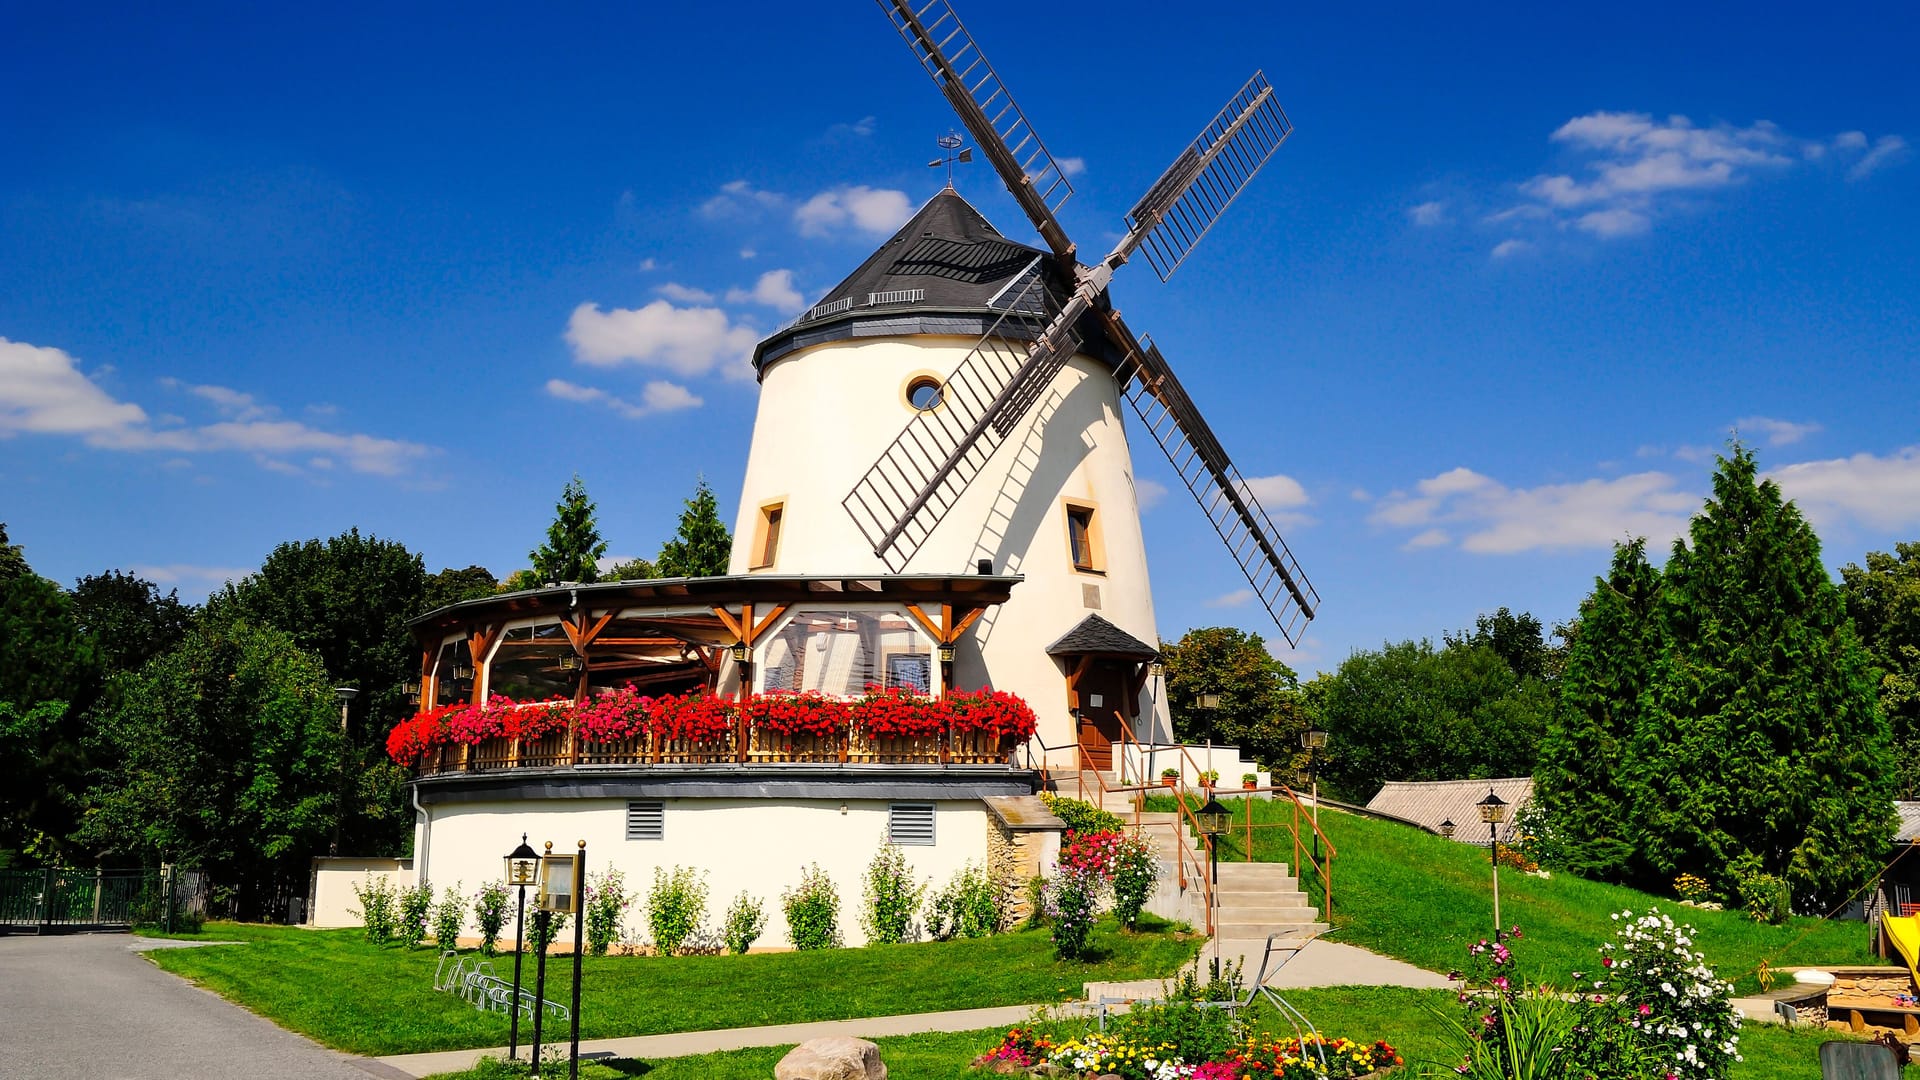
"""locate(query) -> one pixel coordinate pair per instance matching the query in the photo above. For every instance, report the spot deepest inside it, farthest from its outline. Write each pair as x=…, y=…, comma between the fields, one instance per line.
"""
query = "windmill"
x=1052, y=311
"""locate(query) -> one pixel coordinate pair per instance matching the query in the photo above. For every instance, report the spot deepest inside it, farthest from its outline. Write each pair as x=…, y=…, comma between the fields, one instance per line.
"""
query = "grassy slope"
x=1407, y=893
x=1398, y=1015
x=334, y=987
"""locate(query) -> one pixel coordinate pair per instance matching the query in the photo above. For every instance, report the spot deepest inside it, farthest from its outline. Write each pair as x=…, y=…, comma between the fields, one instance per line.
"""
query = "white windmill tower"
x=955, y=404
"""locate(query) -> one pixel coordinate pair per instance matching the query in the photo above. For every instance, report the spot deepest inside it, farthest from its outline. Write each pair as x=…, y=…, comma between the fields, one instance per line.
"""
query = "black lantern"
x=1207, y=701
x=1313, y=739
x=740, y=651
x=1213, y=817
x=1493, y=808
x=946, y=653
x=1446, y=828
x=523, y=865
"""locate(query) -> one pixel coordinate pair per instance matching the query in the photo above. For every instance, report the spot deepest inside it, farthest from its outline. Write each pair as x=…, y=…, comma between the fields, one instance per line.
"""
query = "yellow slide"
x=1904, y=932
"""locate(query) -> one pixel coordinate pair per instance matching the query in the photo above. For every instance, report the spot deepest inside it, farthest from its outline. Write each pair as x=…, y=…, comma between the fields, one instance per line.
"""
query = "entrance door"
x=1103, y=700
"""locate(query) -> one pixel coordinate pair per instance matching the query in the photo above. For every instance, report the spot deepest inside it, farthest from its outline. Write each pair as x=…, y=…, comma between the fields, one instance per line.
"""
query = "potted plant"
x=1249, y=780
x=1209, y=778
x=1170, y=777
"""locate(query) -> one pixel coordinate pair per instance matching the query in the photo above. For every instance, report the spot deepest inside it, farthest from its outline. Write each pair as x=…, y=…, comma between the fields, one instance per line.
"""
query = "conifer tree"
x=1577, y=784
x=1761, y=738
x=1884, y=601
x=573, y=548
x=702, y=546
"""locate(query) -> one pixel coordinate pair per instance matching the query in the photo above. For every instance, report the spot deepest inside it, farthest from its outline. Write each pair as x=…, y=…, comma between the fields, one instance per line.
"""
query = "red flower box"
x=808, y=712
x=697, y=717
x=993, y=711
x=896, y=712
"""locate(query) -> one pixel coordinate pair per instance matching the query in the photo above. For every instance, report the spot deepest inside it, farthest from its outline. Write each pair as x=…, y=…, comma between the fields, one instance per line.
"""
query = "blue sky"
x=1519, y=272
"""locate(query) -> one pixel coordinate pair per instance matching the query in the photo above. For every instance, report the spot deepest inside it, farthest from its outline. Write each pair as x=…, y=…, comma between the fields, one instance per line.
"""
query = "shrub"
x=544, y=929
x=1690, y=888
x=607, y=902
x=676, y=906
x=1072, y=895
x=892, y=897
x=1036, y=900
x=416, y=907
x=743, y=923
x=1081, y=816
x=489, y=915
x=969, y=906
x=1514, y=858
x=1135, y=872
x=813, y=911
x=448, y=917
x=1764, y=896
x=378, y=911
x=1198, y=1033
x=1663, y=990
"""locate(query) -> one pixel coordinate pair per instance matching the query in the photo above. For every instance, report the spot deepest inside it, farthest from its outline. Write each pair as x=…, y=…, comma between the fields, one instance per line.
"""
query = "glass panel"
x=1080, y=527
x=527, y=665
x=448, y=687
x=842, y=652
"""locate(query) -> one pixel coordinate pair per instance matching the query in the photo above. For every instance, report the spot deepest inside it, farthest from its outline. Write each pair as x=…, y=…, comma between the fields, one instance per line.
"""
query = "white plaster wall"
x=826, y=413
x=1145, y=763
x=756, y=845
x=334, y=902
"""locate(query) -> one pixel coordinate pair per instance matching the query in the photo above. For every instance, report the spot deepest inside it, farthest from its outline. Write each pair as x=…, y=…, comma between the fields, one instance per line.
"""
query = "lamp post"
x=1313, y=740
x=345, y=694
x=1446, y=828
x=1493, y=810
x=523, y=869
x=1214, y=819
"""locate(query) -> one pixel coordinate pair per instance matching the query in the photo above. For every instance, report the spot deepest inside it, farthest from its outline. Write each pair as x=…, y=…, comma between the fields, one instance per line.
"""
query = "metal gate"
x=58, y=900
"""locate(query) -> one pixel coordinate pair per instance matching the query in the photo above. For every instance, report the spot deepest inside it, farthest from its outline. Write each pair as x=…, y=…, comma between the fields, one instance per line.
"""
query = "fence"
x=55, y=900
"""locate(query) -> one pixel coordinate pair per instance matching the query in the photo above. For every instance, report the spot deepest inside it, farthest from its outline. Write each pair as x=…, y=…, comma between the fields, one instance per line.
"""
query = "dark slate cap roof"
x=947, y=271
x=1096, y=636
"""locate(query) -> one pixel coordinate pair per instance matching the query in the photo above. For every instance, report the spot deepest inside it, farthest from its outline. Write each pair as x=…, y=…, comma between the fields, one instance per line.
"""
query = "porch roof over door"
x=1095, y=636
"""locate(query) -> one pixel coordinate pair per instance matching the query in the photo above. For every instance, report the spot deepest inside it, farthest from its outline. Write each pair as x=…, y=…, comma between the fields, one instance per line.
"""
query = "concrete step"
x=1267, y=913
x=1249, y=931
x=1252, y=871
x=1290, y=898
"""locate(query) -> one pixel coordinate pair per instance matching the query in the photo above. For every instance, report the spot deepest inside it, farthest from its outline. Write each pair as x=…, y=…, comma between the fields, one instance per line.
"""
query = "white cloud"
x=877, y=211
x=656, y=397
x=1236, y=598
x=43, y=391
x=774, y=289
x=740, y=199
x=1882, y=492
x=748, y=253
x=1071, y=167
x=1506, y=249
x=184, y=573
x=1428, y=213
x=648, y=266
x=683, y=294
x=1888, y=149
x=1277, y=492
x=1629, y=167
x=1778, y=432
x=686, y=341
x=1498, y=520
x=859, y=129
x=1302, y=660
x=1148, y=493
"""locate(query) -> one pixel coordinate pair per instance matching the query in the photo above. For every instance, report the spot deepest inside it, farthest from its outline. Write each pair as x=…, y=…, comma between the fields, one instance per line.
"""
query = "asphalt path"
x=91, y=1007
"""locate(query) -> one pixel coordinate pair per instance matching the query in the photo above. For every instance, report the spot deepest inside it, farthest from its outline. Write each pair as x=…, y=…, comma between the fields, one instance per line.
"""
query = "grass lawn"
x=332, y=986
x=1409, y=894
x=1397, y=1015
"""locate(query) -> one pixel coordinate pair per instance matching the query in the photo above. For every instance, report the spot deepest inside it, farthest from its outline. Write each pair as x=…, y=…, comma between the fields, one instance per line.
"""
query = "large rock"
x=837, y=1058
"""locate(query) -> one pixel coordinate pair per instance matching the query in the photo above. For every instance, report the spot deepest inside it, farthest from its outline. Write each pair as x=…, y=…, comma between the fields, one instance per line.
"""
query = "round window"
x=924, y=393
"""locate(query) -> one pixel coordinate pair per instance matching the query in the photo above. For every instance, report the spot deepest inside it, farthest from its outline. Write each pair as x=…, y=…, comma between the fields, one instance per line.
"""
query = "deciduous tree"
x=1259, y=706
x=128, y=618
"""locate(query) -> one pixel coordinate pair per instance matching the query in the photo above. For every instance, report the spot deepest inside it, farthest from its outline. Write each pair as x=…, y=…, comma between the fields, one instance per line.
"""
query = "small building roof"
x=1429, y=802
x=1909, y=831
x=1095, y=636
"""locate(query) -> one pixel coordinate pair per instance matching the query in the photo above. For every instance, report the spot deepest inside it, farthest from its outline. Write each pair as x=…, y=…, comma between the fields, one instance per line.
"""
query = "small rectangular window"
x=646, y=821
x=910, y=824
x=1080, y=536
x=767, y=546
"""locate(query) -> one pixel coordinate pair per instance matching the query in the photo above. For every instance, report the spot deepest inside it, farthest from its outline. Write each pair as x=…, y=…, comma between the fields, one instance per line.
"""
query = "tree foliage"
x=573, y=548
x=701, y=546
x=1413, y=712
x=1883, y=600
x=13, y=562
x=1259, y=708
x=1720, y=718
x=632, y=570
x=1609, y=665
x=128, y=619
x=451, y=586
x=1517, y=639
x=223, y=754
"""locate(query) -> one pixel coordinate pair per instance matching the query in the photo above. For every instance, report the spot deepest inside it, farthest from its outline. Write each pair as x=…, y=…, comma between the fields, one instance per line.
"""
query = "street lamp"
x=1313, y=740
x=523, y=869
x=345, y=694
x=1213, y=819
x=1493, y=811
x=1207, y=701
x=1446, y=828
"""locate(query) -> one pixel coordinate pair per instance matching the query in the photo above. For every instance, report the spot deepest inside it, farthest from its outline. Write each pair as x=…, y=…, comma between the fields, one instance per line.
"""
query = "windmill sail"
x=1230, y=504
x=1208, y=175
x=944, y=47
x=900, y=500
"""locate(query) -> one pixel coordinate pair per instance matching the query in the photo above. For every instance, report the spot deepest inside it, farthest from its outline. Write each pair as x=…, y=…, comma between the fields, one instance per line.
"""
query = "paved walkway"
x=87, y=1006
x=1320, y=963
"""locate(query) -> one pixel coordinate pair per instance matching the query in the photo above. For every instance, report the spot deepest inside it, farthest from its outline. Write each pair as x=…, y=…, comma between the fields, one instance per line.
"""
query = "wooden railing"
x=561, y=749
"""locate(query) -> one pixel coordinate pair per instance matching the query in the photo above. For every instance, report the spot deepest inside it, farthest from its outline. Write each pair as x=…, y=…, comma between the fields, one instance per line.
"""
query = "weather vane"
x=950, y=152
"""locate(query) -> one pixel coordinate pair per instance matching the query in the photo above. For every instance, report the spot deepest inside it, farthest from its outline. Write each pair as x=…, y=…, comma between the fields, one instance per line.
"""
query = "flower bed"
x=912, y=724
x=1139, y=1052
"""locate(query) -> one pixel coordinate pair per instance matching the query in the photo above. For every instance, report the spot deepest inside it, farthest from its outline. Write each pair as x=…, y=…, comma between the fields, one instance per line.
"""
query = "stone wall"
x=1023, y=841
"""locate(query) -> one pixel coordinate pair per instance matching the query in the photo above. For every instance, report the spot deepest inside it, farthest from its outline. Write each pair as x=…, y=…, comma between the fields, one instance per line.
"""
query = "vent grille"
x=910, y=824
x=646, y=821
